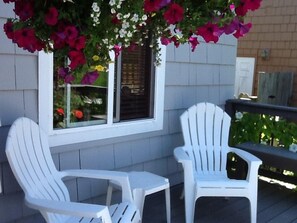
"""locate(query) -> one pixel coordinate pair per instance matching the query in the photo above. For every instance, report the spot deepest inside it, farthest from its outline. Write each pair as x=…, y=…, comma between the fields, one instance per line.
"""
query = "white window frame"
x=58, y=137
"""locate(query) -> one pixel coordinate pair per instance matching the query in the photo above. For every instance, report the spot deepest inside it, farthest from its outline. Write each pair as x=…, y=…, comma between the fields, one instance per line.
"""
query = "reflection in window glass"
x=77, y=105
x=135, y=84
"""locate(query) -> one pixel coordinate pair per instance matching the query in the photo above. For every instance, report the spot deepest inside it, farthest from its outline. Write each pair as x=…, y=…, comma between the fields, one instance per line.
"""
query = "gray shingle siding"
x=205, y=75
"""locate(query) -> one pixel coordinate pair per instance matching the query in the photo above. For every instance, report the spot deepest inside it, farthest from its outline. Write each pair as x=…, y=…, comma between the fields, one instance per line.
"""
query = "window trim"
x=60, y=137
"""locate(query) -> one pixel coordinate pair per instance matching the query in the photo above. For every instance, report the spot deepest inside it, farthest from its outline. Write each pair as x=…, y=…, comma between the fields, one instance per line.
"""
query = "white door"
x=244, y=75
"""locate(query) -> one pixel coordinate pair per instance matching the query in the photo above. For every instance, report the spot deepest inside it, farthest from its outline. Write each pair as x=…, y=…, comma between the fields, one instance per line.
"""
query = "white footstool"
x=142, y=184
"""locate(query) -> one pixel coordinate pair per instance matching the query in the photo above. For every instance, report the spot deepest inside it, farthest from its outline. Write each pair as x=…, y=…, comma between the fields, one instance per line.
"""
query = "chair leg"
x=168, y=208
x=189, y=207
x=109, y=194
x=253, y=209
x=139, y=197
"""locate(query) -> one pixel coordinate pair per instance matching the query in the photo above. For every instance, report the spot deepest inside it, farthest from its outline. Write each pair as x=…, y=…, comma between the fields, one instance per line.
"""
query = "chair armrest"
x=248, y=157
x=252, y=161
x=120, y=177
x=182, y=157
x=68, y=208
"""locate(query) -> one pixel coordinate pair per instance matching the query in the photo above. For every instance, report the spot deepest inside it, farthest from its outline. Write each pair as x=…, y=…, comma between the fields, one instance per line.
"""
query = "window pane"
x=76, y=104
x=136, y=75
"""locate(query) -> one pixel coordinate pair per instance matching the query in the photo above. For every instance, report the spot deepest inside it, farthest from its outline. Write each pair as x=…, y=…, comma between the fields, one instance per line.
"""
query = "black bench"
x=274, y=157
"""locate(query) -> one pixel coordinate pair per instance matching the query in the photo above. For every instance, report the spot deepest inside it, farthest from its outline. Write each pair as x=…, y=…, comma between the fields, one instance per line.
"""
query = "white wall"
x=205, y=75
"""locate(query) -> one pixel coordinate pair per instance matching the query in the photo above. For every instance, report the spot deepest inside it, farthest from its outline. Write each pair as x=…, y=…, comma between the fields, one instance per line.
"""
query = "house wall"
x=205, y=75
x=274, y=28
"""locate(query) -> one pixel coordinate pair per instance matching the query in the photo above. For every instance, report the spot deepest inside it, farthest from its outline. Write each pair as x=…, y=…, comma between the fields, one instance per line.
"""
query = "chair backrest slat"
x=205, y=130
x=30, y=159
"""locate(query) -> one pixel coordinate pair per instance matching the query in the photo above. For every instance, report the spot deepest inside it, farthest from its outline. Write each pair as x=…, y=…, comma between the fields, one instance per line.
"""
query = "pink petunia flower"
x=253, y=4
x=78, y=43
x=246, y=5
x=175, y=41
x=209, y=32
x=71, y=33
x=117, y=50
x=242, y=9
x=232, y=7
x=58, y=41
x=26, y=39
x=174, y=14
x=24, y=9
x=152, y=5
x=165, y=41
x=194, y=42
x=51, y=18
x=77, y=58
x=8, y=29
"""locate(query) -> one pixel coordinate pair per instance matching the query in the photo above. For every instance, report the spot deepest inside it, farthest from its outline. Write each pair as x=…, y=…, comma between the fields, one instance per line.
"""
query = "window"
x=122, y=102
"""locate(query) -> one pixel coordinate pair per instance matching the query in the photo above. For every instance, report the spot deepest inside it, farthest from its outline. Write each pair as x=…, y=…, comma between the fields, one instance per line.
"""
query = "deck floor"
x=276, y=204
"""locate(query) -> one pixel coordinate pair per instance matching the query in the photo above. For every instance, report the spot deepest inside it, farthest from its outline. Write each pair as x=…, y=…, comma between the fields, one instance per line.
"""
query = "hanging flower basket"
x=80, y=30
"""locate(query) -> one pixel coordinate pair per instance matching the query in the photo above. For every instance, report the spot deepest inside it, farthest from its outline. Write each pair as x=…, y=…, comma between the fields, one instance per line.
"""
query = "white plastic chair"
x=30, y=159
x=205, y=129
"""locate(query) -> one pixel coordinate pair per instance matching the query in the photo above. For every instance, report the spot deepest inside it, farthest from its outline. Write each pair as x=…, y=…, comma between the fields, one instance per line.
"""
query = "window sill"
x=91, y=133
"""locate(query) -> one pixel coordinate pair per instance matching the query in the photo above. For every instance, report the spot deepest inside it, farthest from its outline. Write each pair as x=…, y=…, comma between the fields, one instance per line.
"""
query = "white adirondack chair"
x=205, y=130
x=30, y=159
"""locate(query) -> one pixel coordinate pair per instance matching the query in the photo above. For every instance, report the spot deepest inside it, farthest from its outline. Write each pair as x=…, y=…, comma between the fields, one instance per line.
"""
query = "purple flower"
x=164, y=3
x=233, y=26
x=63, y=71
x=69, y=78
x=90, y=77
x=242, y=30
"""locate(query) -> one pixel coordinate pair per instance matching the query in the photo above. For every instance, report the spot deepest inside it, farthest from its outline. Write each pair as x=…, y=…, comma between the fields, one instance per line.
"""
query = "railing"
x=234, y=105
x=279, y=158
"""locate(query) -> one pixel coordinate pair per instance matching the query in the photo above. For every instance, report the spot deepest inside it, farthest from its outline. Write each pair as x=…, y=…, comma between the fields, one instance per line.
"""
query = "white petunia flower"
x=127, y=16
x=238, y=115
x=144, y=18
x=122, y=33
x=135, y=18
x=95, y=19
x=112, y=2
x=129, y=34
x=119, y=16
x=95, y=7
x=105, y=41
x=125, y=25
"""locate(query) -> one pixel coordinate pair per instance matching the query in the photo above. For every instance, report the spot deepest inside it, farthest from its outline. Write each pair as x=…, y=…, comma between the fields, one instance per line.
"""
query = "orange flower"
x=60, y=111
x=78, y=114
